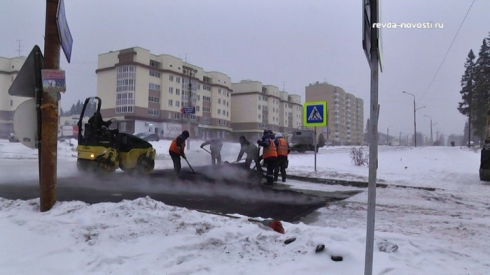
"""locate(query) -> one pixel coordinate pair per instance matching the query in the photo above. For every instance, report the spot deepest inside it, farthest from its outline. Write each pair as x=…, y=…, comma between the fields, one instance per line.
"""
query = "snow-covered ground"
x=446, y=231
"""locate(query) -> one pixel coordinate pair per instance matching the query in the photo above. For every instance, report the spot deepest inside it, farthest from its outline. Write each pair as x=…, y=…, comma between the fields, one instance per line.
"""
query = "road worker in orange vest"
x=282, y=156
x=176, y=150
x=269, y=155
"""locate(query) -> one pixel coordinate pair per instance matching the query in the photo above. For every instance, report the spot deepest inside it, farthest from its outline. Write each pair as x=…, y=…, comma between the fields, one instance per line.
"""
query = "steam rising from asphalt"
x=219, y=181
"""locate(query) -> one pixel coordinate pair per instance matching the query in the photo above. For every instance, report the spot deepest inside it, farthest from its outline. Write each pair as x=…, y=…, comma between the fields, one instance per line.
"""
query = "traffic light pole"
x=49, y=113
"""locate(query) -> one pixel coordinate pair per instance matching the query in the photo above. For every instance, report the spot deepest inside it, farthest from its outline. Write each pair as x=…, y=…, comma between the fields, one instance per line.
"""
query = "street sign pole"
x=316, y=144
x=371, y=48
x=49, y=112
x=315, y=114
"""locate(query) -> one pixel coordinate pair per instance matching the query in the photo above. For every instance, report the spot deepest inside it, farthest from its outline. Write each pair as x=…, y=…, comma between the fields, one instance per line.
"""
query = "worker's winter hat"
x=265, y=131
x=278, y=135
x=185, y=133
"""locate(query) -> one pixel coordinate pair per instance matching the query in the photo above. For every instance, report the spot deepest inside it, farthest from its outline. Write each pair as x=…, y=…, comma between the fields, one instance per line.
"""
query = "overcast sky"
x=278, y=42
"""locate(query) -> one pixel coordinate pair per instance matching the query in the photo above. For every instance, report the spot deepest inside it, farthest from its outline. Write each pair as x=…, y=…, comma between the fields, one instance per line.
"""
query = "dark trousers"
x=176, y=160
x=248, y=162
x=282, y=162
x=215, y=157
x=270, y=164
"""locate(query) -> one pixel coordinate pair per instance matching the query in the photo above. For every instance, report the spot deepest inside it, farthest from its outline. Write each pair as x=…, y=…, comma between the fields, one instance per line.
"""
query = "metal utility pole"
x=414, y=118
x=387, y=135
x=49, y=112
x=431, y=139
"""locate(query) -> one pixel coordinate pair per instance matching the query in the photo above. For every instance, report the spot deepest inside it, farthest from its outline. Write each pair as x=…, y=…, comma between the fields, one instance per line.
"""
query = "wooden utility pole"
x=49, y=112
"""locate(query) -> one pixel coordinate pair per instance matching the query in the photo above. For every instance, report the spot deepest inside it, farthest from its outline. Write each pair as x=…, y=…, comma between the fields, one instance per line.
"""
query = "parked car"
x=148, y=136
x=13, y=138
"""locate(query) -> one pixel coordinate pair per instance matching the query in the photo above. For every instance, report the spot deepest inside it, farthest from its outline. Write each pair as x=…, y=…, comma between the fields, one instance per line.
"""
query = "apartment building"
x=256, y=107
x=147, y=93
x=9, y=68
x=345, y=113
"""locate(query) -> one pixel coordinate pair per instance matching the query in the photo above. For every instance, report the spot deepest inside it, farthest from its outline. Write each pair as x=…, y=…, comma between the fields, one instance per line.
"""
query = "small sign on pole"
x=53, y=81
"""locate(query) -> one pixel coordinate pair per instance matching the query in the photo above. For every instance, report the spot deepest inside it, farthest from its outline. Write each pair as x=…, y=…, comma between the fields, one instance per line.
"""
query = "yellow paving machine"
x=103, y=149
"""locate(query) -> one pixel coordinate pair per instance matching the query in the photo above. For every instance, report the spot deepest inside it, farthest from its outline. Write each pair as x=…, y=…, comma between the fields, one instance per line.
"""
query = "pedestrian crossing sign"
x=315, y=113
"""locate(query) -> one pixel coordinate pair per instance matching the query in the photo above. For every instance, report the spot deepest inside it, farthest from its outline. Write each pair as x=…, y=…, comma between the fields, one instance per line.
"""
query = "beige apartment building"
x=9, y=68
x=345, y=113
x=147, y=93
x=256, y=107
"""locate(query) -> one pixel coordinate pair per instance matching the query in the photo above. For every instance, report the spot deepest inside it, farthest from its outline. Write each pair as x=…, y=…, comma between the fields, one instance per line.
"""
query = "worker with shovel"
x=215, y=146
x=176, y=150
x=252, y=152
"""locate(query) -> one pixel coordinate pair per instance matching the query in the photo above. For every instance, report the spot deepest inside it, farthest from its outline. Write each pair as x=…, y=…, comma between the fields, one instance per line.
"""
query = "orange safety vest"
x=270, y=151
x=282, y=148
x=173, y=147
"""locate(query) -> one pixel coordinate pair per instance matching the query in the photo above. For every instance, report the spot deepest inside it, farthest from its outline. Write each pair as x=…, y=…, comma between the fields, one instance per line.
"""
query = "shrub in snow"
x=357, y=156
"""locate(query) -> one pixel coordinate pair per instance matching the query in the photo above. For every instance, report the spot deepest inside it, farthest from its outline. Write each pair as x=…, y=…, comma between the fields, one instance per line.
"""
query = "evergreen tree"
x=467, y=86
x=481, y=91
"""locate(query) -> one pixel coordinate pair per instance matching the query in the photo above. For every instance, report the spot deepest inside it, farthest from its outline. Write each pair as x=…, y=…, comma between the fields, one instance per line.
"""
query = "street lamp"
x=387, y=135
x=192, y=72
x=414, y=118
x=431, y=140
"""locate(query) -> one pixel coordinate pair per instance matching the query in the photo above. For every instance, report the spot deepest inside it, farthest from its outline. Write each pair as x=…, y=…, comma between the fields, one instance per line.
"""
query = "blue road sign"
x=188, y=110
x=315, y=113
x=64, y=31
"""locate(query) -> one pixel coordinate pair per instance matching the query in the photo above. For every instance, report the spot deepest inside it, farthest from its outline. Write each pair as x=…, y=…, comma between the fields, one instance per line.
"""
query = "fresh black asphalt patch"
x=225, y=189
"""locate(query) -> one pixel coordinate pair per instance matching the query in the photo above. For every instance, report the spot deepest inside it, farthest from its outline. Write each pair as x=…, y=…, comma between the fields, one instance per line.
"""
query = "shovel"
x=189, y=165
x=273, y=224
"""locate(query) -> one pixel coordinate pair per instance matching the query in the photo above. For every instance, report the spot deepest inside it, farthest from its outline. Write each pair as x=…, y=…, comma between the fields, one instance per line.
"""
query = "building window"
x=154, y=73
x=177, y=79
x=219, y=101
x=177, y=115
x=125, y=87
x=177, y=103
x=170, y=102
x=177, y=91
x=154, y=86
x=154, y=99
x=170, y=90
x=124, y=102
x=197, y=108
x=171, y=78
x=219, y=112
x=153, y=112
x=11, y=102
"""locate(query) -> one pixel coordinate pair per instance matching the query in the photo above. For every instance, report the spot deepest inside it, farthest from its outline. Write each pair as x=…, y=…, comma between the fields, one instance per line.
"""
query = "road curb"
x=360, y=184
